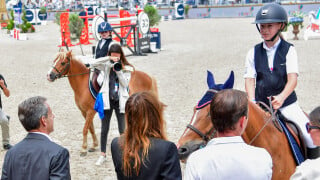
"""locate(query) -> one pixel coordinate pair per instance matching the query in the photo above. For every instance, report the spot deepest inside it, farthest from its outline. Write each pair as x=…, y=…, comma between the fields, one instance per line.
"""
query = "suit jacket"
x=36, y=158
x=162, y=161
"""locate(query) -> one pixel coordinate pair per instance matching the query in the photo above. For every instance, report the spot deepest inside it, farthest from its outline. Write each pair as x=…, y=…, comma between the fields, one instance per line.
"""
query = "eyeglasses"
x=309, y=127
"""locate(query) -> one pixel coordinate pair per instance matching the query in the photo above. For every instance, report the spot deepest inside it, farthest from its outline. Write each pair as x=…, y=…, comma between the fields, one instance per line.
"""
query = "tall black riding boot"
x=313, y=153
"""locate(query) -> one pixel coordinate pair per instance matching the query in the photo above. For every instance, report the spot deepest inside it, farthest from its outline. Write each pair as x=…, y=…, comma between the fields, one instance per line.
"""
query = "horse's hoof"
x=82, y=154
x=91, y=150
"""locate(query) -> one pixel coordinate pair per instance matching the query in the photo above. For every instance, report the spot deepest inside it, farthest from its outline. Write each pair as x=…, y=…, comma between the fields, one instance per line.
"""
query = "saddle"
x=292, y=132
x=94, y=86
x=296, y=132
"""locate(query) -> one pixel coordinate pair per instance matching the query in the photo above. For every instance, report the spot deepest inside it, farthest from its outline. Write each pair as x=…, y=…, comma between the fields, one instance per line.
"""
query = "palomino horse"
x=65, y=65
x=260, y=132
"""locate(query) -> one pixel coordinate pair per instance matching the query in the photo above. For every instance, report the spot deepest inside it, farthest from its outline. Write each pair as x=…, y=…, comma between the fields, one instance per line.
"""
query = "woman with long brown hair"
x=143, y=151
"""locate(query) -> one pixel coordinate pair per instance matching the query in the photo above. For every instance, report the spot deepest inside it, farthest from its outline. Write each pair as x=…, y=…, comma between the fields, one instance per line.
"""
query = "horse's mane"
x=61, y=55
x=259, y=110
x=64, y=55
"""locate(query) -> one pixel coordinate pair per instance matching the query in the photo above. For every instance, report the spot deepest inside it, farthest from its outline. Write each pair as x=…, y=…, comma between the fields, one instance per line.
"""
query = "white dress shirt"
x=228, y=158
x=308, y=170
x=291, y=63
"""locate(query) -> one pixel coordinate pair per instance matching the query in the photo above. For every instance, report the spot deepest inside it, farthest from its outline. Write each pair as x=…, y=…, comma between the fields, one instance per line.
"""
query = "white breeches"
x=294, y=113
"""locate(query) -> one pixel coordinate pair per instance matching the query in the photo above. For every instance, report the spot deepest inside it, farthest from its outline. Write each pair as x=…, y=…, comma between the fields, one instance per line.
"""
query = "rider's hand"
x=277, y=101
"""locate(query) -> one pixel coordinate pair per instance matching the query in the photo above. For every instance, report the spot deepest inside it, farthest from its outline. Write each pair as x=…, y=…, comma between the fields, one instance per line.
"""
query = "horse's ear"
x=229, y=82
x=69, y=53
x=210, y=80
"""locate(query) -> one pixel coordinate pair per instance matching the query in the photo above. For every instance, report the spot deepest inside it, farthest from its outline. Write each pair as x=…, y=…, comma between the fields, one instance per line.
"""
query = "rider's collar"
x=275, y=46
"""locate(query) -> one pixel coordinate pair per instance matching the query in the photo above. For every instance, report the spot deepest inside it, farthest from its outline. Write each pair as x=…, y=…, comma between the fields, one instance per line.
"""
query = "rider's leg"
x=294, y=113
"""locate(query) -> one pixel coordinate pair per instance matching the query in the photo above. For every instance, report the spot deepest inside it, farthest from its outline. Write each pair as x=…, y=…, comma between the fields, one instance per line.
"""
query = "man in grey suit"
x=36, y=156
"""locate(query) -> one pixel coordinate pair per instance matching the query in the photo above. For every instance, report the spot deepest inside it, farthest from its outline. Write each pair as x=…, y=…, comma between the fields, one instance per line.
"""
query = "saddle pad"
x=92, y=88
x=205, y=100
x=298, y=156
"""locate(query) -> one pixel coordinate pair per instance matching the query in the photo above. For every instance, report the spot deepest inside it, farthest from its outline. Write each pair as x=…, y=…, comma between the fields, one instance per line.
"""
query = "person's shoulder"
x=258, y=44
x=115, y=144
x=311, y=163
x=161, y=141
x=287, y=43
x=157, y=143
x=309, y=169
x=52, y=146
x=251, y=50
x=260, y=152
x=115, y=141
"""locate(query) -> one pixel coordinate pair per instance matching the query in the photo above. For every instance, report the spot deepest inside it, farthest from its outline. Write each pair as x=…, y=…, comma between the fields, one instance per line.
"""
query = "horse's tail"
x=154, y=88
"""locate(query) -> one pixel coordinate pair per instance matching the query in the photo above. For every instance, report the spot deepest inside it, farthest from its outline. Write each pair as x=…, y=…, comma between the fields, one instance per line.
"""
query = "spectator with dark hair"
x=227, y=156
x=36, y=156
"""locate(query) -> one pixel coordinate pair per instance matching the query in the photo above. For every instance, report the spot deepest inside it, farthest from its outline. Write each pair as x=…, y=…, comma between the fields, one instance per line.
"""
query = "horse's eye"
x=63, y=63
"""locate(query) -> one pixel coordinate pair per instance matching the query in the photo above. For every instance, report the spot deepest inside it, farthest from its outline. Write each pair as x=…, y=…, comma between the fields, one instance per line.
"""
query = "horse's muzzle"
x=185, y=150
x=51, y=77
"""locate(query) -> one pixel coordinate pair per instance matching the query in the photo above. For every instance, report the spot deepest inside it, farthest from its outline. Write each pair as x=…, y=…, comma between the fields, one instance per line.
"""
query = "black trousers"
x=105, y=123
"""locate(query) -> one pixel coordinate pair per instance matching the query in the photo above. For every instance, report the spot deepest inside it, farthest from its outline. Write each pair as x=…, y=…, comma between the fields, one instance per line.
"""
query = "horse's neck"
x=77, y=75
x=259, y=125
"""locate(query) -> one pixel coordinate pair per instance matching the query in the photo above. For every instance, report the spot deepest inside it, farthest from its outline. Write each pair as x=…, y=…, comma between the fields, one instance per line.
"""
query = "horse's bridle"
x=65, y=70
x=205, y=137
x=208, y=135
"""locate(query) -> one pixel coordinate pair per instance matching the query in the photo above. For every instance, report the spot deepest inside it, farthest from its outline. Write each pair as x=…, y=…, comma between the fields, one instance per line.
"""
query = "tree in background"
x=153, y=15
x=75, y=26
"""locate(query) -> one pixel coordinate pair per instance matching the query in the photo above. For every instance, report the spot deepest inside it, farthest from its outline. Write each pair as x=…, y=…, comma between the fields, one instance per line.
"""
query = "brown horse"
x=65, y=65
x=260, y=132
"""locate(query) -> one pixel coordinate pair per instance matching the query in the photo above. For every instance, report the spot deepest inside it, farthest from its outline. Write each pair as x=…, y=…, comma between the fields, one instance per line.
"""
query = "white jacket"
x=124, y=75
x=309, y=169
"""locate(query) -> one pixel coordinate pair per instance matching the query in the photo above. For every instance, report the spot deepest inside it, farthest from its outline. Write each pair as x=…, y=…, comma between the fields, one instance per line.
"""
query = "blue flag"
x=98, y=106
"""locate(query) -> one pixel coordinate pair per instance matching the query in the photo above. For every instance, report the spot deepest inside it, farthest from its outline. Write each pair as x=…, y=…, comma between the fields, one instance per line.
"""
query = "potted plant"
x=57, y=18
x=43, y=13
x=186, y=10
x=25, y=27
x=296, y=21
x=75, y=26
x=153, y=15
x=10, y=25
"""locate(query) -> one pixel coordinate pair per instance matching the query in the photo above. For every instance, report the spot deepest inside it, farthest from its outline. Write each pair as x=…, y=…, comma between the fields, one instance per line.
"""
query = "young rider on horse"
x=102, y=47
x=117, y=73
x=272, y=70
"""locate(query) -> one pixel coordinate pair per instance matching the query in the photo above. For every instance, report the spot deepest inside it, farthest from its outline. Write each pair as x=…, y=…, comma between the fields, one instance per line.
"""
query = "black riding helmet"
x=272, y=13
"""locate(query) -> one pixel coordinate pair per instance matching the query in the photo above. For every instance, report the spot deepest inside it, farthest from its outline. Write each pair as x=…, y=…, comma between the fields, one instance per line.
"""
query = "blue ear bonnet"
x=103, y=27
x=206, y=99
